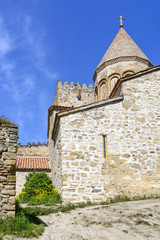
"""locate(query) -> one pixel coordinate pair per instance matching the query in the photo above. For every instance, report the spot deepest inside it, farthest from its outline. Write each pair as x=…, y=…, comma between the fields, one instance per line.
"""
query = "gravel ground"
x=121, y=221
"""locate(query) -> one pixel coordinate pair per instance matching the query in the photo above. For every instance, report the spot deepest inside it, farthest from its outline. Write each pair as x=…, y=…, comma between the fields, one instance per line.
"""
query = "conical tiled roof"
x=123, y=46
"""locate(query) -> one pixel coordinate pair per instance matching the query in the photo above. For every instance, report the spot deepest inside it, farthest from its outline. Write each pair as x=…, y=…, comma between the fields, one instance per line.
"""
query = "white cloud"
x=35, y=41
x=20, y=90
x=14, y=80
x=23, y=58
x=6, y=41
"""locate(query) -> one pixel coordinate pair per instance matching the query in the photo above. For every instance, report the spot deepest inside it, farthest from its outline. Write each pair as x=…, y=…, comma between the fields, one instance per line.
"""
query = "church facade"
x=104, y=141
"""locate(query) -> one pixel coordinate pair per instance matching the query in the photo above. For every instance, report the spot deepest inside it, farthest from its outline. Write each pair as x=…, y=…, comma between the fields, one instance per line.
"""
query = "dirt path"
x=122, y=221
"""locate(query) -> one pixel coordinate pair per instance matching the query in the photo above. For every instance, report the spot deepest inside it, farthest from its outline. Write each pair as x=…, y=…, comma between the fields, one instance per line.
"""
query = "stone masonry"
x=33, y=149
x=73, y=94
x=66, y=96
x=8, y=154
x=131, y=123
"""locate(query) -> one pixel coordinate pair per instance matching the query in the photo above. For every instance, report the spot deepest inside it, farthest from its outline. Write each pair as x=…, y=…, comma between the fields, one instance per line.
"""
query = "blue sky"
x=42, y=41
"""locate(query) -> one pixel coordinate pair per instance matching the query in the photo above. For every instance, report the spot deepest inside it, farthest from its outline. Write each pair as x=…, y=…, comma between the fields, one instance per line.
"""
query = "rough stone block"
x=1, y=161
x=11, y=214
x=12, y=149
x=9, y=155
x=10, y=162
x=11, y=178
x=10, y=187
x=13, y=200
x=84, y=174
x=8, y=207
x=2, y=179
x=8, y=192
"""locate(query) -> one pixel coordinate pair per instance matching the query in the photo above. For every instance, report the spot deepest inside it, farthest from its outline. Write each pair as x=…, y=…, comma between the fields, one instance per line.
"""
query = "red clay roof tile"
x=32, y=163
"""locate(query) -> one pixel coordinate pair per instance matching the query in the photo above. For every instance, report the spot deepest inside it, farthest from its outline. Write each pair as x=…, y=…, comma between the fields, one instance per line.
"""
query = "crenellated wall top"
x=33, y=144
x=72, y=84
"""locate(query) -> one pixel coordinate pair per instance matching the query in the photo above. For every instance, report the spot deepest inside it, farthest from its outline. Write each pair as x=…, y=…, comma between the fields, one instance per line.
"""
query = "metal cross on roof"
x=121, y=18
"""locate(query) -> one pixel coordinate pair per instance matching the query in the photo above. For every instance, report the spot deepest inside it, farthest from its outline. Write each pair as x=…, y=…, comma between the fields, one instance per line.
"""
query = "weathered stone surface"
x=9, y=155
x=73, y=95
x=10, y=162
x=8, y=207
x=2, y=178
x=8, y=141
x=11, y=187
x=13, y=200
x=8, y=192
x=12, y=149
x=11, y=213
x=11, y=178
x=33, y=150
x=131, y=126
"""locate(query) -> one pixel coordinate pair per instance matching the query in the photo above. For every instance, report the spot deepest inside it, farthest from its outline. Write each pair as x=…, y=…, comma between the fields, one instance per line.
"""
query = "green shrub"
x=39, y=190
x=36, y=181
x=46, y=197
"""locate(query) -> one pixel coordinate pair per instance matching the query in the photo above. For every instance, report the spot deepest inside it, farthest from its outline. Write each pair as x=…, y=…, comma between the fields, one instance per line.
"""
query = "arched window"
x=127, y=73
x=103, y=90
x=113, y=80
x=96, y=94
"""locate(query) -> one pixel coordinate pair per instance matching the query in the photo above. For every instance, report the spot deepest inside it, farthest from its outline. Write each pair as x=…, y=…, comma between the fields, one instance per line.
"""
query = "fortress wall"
x=73, y=94
x=8, y=154
x=33, y=149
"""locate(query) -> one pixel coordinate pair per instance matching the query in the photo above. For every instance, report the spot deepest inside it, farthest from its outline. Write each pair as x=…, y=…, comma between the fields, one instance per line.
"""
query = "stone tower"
x=122, y=59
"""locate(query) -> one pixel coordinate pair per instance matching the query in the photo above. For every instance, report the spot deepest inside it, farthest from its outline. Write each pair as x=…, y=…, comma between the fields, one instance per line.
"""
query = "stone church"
x=104, y=141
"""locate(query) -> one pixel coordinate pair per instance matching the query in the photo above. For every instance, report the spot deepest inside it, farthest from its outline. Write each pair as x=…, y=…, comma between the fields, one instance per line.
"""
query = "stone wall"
x=33, y=149
x=73, y=94
x=51, y=117
x=8, y=149
x=132, y=127
x=57, y=164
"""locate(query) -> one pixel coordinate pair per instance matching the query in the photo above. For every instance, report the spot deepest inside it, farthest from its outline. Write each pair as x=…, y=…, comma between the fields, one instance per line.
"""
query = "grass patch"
x=5, y=121
x=37, y=211
x=139, y=215
x=150, y=214
x=68, y=208
x=143, y=222
x=125, y=231
x=119, y=198
x=23, y=225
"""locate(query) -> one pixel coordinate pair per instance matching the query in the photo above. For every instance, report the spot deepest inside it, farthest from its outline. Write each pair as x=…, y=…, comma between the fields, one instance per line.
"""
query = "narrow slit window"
x=104, y=146
x=79, y=97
